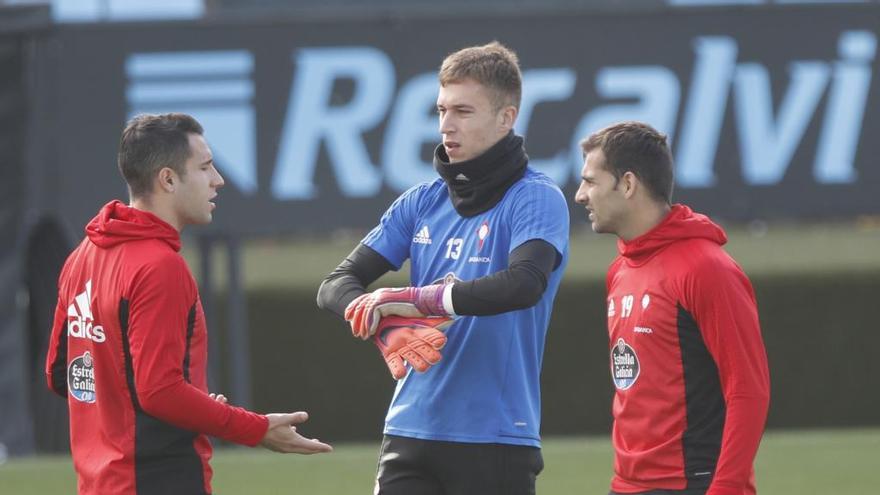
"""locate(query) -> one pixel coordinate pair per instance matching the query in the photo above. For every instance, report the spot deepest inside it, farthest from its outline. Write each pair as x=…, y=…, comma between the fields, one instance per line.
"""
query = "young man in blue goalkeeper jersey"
x=488, y=242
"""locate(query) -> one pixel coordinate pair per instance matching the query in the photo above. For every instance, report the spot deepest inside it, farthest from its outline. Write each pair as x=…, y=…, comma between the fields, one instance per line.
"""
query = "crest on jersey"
x=449, y=278
x=81, y=378
x=624, y=365
x=482, y=234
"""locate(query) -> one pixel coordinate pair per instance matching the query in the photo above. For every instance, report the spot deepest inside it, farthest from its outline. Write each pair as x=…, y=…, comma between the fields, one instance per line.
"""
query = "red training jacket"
x=687, y=360
x=129, y=351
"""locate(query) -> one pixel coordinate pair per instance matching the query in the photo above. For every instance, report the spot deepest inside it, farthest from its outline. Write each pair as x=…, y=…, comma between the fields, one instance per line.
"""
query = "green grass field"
x=761, y=249
x=821, y=462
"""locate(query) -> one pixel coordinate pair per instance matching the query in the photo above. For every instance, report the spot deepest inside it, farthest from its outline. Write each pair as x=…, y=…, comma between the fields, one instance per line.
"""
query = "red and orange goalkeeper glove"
x=365, y=312
x=415, y=340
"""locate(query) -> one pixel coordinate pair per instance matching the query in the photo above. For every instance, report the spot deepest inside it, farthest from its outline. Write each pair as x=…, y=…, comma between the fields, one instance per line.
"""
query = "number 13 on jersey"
x=453, y=248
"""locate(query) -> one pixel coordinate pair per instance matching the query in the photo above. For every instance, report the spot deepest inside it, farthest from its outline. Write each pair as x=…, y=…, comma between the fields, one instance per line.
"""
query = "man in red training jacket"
x=129, y=341
x=687, y=356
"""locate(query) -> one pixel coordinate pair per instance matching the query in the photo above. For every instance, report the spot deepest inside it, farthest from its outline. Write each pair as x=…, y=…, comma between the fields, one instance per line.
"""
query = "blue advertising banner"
x=772, y=113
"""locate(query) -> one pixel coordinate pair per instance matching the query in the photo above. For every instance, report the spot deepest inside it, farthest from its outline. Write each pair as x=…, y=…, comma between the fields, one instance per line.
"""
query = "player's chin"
x=598, y=227
x=459, y=154
x=203, y=219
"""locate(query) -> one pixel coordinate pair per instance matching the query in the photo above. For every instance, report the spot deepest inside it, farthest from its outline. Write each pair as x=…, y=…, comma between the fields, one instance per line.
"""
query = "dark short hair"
x=493, y=65
x=638, y=148
x=152, y=142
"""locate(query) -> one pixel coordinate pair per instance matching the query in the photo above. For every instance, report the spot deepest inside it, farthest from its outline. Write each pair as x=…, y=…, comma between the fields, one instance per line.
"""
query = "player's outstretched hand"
x=365, y=311
x=219, y=398
x=283, y=437
x=415, y=340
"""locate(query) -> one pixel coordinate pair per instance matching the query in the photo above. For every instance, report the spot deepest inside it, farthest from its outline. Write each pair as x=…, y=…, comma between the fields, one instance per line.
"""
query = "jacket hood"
x=681, y=223
x=117, y=223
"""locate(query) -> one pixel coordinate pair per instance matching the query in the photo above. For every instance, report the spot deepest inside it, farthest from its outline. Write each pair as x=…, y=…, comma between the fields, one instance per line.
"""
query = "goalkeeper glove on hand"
x=415, y=340
x=365, y=312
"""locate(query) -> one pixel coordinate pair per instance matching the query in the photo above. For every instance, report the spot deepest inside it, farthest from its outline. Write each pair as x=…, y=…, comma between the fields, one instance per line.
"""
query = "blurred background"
x=320, y=113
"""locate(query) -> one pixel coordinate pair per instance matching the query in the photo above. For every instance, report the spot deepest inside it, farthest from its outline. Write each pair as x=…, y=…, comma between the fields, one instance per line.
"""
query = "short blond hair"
x=493, y=65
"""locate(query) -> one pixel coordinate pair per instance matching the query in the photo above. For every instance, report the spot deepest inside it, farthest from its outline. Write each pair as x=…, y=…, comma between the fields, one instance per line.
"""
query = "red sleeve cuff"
x=255, y=431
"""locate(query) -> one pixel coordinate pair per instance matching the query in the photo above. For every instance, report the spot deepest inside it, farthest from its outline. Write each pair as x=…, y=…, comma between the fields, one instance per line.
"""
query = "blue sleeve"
x=540, y=212
x=393, y=236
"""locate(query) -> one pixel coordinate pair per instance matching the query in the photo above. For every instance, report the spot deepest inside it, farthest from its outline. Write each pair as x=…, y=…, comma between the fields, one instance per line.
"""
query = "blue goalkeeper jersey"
x=486, y=389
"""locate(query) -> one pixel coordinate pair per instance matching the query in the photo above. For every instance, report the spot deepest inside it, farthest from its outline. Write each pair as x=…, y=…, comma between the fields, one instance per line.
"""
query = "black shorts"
x=409, y=466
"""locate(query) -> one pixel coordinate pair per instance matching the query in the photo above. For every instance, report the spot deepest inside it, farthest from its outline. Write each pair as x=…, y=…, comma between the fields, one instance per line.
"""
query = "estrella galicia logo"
x=213, y=86
x=624, y=365
x=81, y=378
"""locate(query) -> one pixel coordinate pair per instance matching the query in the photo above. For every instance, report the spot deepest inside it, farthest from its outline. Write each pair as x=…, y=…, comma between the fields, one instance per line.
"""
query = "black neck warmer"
x=478, y=184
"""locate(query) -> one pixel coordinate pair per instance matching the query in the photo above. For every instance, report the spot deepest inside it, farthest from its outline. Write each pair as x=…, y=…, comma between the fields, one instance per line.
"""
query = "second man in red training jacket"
x=686, y=354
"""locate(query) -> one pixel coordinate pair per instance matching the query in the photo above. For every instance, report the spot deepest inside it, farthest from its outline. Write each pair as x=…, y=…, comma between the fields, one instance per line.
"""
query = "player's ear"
x=507, y=118
x=166, y=179
x=630, y=184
